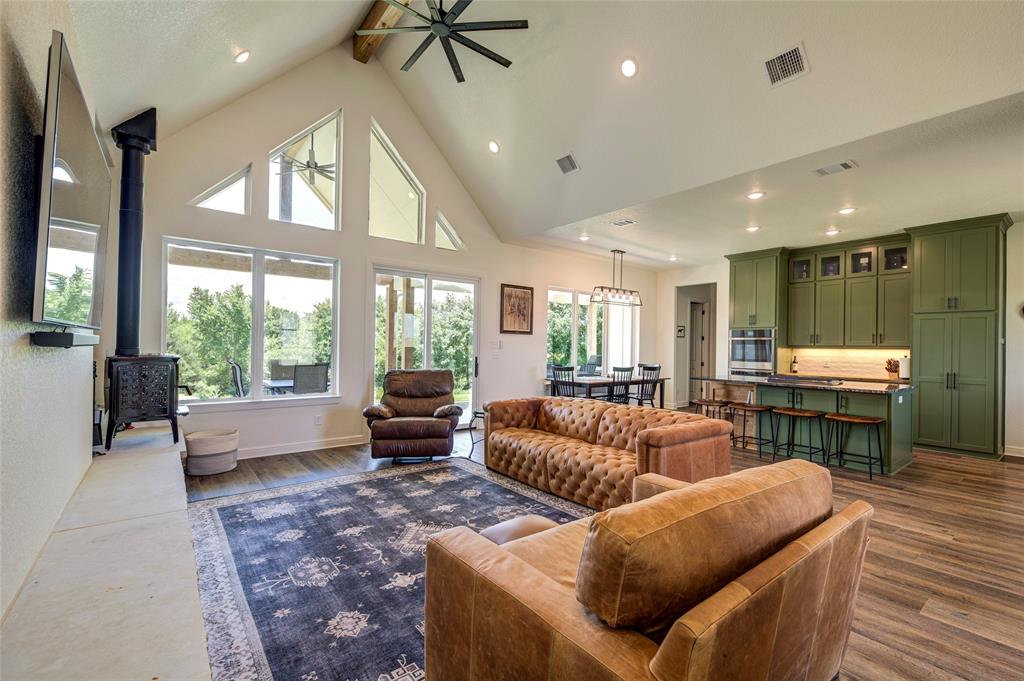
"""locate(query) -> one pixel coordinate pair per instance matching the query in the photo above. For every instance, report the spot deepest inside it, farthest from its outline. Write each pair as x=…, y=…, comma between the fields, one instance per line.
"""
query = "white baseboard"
x=1011, y=450
x=295, y=447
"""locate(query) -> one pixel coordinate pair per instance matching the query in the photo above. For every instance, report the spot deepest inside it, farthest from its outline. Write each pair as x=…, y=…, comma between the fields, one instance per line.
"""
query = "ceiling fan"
x=441, y=24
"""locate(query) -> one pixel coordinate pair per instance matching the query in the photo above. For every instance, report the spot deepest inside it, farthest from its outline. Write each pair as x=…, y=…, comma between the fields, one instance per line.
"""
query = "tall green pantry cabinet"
x=959, y=329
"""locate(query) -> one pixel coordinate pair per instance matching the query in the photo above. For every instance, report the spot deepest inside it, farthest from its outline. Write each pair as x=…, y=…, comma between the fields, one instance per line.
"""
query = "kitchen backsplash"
x=840, y=362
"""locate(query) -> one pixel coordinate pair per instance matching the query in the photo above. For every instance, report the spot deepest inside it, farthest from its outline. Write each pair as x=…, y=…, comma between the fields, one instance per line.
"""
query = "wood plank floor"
x=942, y=595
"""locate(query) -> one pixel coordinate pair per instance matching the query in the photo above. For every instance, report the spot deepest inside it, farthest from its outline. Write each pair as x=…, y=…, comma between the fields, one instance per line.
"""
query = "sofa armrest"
x=689, y=451
x=448, y=410
x=520, y=413
x=378, y=411
x=488, y=609
x=650, y=484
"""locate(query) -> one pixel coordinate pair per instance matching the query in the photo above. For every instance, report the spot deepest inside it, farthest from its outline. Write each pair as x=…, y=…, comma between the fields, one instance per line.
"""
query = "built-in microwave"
x=751, y=350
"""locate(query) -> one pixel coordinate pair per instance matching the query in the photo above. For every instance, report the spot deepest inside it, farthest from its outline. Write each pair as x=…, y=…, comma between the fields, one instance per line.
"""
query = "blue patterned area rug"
x=323, y=581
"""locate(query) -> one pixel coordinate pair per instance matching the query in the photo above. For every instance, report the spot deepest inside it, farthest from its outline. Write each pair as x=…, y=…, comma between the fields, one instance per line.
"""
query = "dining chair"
x=237, y=380
x=310, y=378
x=618, y=391
x=282, y=369
x=562, y=381
x=649, y=374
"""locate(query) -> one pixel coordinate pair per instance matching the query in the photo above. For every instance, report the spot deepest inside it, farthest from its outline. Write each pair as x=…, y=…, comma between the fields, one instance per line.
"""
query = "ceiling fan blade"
x=408, y=10
x=491, y=25
x=477, y=47
x=458, y=8
x=388, y=31
x=419, y=52
x=452, y=59
x=435, y=14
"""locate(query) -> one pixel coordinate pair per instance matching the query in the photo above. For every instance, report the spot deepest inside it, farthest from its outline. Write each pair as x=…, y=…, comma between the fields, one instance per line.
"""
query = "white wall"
x=245, y=131
x=1015, y=340
x=668, y=280
x=45, y=394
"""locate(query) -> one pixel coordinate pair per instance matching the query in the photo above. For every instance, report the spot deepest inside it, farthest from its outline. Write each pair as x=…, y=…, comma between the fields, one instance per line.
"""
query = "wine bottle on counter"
x=794, y=366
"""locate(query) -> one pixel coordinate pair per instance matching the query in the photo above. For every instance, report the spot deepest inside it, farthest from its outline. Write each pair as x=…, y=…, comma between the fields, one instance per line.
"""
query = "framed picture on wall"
x=516, y=309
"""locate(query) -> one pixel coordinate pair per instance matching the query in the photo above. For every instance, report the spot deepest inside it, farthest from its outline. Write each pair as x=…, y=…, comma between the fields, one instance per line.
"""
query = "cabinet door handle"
x=955, y=385
x=872, y=339
x=947, y=381
x=949, y=303
x=812, y=339
x=956, y=303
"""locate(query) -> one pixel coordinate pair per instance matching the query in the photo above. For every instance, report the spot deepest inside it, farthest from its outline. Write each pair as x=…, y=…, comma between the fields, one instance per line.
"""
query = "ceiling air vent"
x=567, y=164
x=787, y=66
x=836, y=168
x=625, y=222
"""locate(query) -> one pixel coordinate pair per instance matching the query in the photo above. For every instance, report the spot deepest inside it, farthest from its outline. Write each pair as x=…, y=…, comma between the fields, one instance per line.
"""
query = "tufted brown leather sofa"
x=589, y=451
x=744, y=577
x=417, y=415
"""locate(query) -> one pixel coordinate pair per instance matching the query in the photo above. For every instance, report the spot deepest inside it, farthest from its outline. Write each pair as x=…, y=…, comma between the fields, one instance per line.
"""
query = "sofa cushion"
x=520, y=453
x=555, y=552
x=645, y=564
x=619, y=425
x=571, y=417
x=408, y=427
x=594, y=475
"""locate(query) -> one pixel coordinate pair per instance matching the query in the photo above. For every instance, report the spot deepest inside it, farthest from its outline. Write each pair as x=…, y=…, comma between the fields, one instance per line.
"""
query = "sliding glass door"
x=426, y=321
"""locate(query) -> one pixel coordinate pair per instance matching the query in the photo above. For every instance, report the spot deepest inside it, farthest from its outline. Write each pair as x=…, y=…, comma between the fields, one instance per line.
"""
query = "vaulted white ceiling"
x=701, y=109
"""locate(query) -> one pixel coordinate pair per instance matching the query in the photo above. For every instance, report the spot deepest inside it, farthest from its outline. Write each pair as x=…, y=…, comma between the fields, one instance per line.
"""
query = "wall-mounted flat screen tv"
x=74, y=203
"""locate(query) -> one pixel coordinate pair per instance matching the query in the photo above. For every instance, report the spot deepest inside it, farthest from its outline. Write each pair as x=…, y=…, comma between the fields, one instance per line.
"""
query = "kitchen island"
x=889, y=400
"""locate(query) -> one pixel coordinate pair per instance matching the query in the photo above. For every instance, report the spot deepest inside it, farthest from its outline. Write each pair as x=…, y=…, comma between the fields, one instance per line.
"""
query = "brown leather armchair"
x=744, y=577
x=416, y=417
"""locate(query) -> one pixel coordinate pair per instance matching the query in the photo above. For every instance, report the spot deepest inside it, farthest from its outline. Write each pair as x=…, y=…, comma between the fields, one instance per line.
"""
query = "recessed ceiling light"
x=628, y=67
x=847, y=210
x=753, y=228
x=673, y=258
x=755, y=195
x=493, y=146
x=584, y=237
x=832, y=231
x=242, y=57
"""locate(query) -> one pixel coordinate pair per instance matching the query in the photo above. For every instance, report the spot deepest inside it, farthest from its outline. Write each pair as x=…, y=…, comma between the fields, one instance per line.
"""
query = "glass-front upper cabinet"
x=861, y=262
x=801, y=268
x=830, y=265
x=895, y=259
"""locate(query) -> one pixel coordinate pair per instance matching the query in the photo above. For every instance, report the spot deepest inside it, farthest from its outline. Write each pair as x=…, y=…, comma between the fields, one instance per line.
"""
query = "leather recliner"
x=416, y=417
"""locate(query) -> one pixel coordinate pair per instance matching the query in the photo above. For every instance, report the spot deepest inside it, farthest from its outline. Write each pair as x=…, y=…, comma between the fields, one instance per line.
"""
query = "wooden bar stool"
x=743, y=439
x=842, y=422
x=793, y=415
x=713, y=408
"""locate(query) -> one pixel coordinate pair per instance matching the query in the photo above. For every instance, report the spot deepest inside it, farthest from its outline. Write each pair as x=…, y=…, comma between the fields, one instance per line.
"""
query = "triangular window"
x=230, y=195
x=396, y=197
x=445, y=236
x=304, y=175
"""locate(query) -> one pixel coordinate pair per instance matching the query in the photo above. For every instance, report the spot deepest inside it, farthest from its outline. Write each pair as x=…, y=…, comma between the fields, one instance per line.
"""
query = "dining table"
x=590, y=383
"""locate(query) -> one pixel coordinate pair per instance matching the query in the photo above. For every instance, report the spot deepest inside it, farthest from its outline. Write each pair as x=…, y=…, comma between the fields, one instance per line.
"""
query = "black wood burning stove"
x=139, y=387
x=142, y=388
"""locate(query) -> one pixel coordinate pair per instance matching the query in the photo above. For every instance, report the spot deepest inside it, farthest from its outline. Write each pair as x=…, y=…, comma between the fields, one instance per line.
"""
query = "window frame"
x=338, y=116
x=256, y=398
x=421, y=192
x=441, y=222
x=605, y=330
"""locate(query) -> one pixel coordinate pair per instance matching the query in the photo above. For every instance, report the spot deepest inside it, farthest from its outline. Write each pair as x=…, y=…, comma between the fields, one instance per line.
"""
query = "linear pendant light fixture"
x=616, y=294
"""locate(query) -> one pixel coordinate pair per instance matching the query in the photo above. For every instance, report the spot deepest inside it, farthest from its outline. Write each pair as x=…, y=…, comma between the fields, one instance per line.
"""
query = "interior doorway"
x=695, y=341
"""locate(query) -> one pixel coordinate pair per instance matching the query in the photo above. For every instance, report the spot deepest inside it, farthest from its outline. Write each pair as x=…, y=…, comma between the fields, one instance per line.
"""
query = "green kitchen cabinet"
x=957, y=269
x=861, y=261
x=801, y=269
x=829, y=317
x=894, y=259
x=754, y=289
x=896, y=447
x=954, y=369
x=801, y=314
x=830, y=265
x=861, y=312
x=894, y=311
x=973, y=381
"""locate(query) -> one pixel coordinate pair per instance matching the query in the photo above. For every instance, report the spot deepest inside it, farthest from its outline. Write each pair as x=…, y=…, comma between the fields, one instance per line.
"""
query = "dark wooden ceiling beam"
x=381, y=15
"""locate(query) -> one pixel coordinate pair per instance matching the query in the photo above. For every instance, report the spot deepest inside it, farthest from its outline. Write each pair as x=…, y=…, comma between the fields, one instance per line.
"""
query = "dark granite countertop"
x=851, y=386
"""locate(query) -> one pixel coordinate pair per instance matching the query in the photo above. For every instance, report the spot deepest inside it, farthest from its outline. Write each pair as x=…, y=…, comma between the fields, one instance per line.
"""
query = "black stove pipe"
x=136, y=138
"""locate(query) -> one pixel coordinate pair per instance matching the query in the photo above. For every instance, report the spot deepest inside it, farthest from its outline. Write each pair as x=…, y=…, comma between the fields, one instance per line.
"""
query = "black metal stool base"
x=742, y=440
x=870, y=459
x=791, y=446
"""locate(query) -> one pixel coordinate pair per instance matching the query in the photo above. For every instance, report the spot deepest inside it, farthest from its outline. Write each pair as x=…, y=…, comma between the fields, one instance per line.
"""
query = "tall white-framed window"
x=304, y=176
x=397, y=199
x=593, y=338
x=248, y=323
